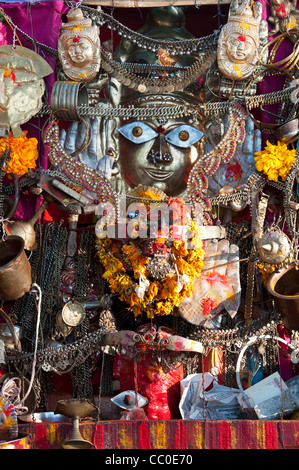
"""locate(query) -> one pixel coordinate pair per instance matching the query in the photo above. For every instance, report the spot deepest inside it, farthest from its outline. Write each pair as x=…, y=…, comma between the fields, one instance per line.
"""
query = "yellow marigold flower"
x=181, y=247
x=152, y=291
x=148, y=194
x=275, y=160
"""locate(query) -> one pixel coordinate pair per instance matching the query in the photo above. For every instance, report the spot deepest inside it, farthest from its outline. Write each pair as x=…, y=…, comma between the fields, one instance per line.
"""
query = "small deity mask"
x=79, y=47
x=21, y=87
x=238, y=45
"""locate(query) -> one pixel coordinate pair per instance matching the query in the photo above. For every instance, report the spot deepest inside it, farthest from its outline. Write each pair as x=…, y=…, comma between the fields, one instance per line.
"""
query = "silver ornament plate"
x=73, y=313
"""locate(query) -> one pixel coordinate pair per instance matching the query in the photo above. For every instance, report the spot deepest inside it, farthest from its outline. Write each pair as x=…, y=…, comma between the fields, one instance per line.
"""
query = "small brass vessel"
x=15, y=269
x=75, y=409
x=25, y=229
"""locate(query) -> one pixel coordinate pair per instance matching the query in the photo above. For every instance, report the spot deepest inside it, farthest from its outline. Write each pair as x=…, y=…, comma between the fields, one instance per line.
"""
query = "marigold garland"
x=23, y=156
x=161, y=297
x=275, y=160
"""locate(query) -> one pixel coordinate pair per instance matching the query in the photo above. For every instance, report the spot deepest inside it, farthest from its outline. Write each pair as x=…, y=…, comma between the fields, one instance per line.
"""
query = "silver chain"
x=148, y=111
x=184, y=46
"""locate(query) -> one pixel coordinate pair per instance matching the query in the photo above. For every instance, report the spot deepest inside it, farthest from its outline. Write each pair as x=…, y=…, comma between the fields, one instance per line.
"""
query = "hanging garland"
x=158, y=297
x=132, y=274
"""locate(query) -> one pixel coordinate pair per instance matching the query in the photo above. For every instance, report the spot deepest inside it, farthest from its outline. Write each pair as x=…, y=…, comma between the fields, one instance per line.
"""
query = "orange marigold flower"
x=23, y=154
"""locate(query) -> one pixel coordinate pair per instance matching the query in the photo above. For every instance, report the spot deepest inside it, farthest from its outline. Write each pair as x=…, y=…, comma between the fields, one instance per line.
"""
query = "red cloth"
x=161, y=389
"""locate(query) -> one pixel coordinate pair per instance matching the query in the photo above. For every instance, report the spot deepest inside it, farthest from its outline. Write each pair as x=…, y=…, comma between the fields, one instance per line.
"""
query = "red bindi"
x=242, y=38
x=160, y=129
x=76, y=39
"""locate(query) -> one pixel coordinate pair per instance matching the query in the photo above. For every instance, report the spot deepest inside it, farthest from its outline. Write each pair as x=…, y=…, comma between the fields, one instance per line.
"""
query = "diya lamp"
x=75, y=409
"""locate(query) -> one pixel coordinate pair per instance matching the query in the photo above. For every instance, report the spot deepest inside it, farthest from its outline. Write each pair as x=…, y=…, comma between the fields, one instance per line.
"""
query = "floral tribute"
x=128, y=267
x=23, y=154
x=275, y=160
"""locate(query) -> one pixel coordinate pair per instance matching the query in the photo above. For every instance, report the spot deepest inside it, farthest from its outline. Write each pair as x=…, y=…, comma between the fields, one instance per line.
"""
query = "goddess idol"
x=79, y=47
x=239, y=44
x=159, y=151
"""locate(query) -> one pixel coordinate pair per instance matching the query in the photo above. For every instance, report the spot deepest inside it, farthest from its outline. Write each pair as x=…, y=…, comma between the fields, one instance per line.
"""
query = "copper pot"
x=15, y=269
x=284, y=286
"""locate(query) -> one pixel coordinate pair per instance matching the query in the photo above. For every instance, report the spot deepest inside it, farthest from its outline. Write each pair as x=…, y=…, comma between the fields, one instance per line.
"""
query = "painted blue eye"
x=184, y=136
x=132, y=215
x=138, y=132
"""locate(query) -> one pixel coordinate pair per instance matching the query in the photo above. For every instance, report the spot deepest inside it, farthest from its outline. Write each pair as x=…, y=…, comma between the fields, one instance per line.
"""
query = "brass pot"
x=284, y=286
x=15, y=269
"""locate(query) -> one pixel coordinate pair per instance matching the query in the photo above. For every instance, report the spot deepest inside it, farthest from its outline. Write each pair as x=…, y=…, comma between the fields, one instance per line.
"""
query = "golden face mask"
x=159, y=154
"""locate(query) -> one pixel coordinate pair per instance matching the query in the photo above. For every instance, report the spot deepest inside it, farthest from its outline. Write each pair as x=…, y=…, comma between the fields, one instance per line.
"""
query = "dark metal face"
x=159, y=155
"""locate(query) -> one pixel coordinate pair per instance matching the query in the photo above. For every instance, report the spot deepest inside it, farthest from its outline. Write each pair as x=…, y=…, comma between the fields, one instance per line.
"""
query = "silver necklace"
x=180, y=47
